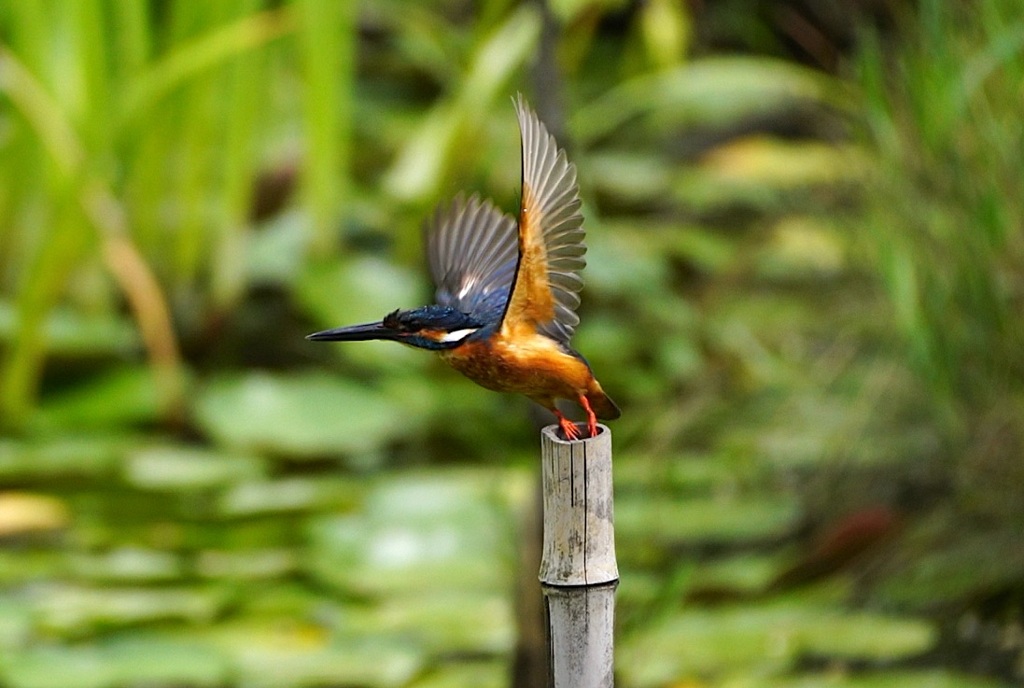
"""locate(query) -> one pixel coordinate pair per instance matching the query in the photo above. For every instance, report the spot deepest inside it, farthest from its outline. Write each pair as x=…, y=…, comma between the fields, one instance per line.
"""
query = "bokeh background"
x=806, y=267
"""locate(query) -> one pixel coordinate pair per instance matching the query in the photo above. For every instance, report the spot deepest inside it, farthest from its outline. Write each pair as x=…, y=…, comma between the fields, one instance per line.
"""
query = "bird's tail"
x=603, y=406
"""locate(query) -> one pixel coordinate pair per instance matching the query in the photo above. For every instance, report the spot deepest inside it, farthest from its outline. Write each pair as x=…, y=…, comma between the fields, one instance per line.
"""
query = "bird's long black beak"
x=356, y=333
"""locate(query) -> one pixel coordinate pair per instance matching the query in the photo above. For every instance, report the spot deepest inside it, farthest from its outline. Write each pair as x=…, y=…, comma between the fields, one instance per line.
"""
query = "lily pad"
x=33, y=565
x=125, y=396
x=864, y=634
x=934, y=678
x=416, y=534
x=288, y=495
x=248, y=564
x=153, y=660
x=15, y=622
x=177, y=468
x=128, y=564
x=461, y=622
x=74, y=610
x=290, y=654
x=762, y=639
x=720, y=519
x=686, y=474
x=463, y=674
x=57, y=667
x=300, y=416
x=137, y=661
x=71, y=457
x=746, y=573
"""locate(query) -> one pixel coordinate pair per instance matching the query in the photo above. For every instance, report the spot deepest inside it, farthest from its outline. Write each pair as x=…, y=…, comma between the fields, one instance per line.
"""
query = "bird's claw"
x=569, y=429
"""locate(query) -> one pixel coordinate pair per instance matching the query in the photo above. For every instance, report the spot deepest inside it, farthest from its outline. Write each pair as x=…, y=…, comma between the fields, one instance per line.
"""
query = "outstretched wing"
x=547, y=281
x=472, y=249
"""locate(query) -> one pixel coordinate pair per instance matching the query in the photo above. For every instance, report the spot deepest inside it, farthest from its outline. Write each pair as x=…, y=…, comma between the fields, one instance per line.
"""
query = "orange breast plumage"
x=535, y=366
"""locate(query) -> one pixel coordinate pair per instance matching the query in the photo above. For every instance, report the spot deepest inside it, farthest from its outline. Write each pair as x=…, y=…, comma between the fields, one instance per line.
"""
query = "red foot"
x=591, y=416
x=569, y=428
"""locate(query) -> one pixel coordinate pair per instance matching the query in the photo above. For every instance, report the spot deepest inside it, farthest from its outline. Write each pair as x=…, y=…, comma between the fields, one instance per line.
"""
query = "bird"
x=507, y=289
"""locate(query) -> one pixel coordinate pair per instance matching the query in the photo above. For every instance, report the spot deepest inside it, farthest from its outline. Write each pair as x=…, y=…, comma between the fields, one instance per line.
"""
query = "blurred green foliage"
x=944, y=207
x=804, y=233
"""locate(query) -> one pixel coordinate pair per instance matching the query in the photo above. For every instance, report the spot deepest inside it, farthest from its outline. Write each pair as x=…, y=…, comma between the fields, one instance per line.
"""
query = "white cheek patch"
x=457, y=335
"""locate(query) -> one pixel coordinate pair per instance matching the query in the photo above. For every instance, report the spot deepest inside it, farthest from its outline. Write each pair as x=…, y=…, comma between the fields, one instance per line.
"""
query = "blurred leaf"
x=69, y=457
x=70, y=332
x=801, y=248
x=943, y=227
x=925, y=678
x=296, y=655
x=774, y=163
x=704, y=248
x=360, y=289
x=190, y=58
x=744, y=573
x=141, y=660
x=57, y=667
x=683, y=475
x=19, y=567
x=127, y=565
x=761, y=640
x=327, y=34
x=624, y=261
x=276, y=254
x=364, y=289
x=665, y=28
x=127, y=395
x=630, y=176
x=287, y=495
x=958, y=570
x=69, y=610
x=422, y=165
x=761, y=173
x=461, y=621
x=568, y=10
x=463, y=673
x=15, y=617
x=187, y=469
x=415, y=534
x=24, y=513
x=869, y=635
x=607, y=339
x=717, y=92
x=247, y=565
x=299, y=416
x=718, y=519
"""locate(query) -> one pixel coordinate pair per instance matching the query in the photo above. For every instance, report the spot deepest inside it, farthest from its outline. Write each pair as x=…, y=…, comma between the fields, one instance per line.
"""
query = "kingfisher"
x=506, y=290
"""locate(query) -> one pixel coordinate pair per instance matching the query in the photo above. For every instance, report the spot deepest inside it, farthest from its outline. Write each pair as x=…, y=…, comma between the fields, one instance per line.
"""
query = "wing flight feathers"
x=472, y=250
x=547, y=280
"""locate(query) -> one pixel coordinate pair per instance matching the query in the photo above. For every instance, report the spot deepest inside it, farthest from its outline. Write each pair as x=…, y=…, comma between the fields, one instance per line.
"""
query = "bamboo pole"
x=578, y=572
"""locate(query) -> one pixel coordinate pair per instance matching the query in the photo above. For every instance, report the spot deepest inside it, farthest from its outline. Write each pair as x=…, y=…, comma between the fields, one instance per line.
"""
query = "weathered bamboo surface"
x=579, y=537
x=581, y=621
x=578, y=570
